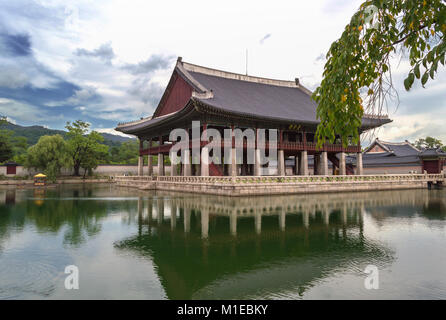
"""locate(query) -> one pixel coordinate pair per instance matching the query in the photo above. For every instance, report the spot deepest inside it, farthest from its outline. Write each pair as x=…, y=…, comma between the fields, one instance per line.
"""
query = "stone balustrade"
x=287, y=179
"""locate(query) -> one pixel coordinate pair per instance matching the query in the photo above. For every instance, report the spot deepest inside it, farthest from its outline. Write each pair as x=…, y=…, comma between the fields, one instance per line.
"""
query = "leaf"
x=425, y=78
x=432, y=73
x=417, y=71
x=409, y=81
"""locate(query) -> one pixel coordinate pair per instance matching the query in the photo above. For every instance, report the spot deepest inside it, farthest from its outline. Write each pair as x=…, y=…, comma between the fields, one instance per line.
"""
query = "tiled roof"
x=253, y=96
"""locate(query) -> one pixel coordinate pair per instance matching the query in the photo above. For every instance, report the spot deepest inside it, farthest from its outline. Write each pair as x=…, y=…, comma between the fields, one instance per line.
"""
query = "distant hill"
x=33, y=133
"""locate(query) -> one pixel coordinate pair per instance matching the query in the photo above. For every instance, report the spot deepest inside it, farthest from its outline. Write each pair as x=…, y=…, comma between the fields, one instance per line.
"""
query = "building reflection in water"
x=220, y=247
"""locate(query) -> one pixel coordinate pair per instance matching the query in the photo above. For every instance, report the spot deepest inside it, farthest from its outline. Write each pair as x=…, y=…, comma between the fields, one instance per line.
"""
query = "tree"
x=49, y=154
x=85, y=149
x=429, y=143
x=127, y=153
x=357, y=74
x=6, y=151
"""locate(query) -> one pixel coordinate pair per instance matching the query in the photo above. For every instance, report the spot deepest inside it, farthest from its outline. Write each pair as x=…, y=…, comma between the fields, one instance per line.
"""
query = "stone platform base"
x=245, y=186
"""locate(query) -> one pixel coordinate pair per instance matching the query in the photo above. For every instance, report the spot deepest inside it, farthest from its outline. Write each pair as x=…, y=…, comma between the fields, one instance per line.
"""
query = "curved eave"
x=206, y=107
x=135, y=128
x=372, y=123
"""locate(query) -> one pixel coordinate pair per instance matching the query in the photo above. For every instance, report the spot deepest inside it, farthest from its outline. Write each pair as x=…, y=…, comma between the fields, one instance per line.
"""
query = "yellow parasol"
x=40, y=175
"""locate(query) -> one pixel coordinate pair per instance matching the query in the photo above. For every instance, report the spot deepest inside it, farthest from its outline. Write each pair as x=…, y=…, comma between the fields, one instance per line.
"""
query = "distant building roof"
x=432, y=152
x=399, y=149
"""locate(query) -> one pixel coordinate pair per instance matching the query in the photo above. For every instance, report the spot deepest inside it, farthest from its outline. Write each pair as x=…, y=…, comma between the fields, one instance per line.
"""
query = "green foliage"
x=127, y=153
x=429, y=142
x=50, y=155
x=6, y=150
x=85, y=150
x=357, y=70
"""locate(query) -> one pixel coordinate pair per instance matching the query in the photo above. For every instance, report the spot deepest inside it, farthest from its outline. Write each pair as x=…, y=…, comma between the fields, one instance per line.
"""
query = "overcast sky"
x=106, y=61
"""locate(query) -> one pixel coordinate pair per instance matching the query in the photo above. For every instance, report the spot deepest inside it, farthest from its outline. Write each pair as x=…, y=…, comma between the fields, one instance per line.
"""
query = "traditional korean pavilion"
x=224, y=100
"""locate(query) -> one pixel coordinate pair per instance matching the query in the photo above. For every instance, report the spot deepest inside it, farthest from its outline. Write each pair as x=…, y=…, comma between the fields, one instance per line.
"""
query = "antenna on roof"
x=246, y=61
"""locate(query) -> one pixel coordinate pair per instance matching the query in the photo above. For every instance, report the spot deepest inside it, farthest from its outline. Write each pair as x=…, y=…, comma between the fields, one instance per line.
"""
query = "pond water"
x=130, y=244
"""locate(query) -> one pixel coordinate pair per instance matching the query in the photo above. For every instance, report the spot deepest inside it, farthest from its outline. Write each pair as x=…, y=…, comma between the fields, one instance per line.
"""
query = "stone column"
x=258, y=222
x=342, y=170
x=173, y=167
x=150, y=165
x=173, y=216
x=204, y=163
x=149, y=209
x=204, y=223
x=187, y=170
x=233, y=223
x=281, y=163
x=306, y=218
x=233, y=168
x=297, y=165
x=282, y=216
x=316, y=164
x=257, y=167
x=160, y=164
x=160, y=216
x=187, y=214
x=204, y=157
x=140, y=165
x=324, y=164
x=359, y=167
x=326, y=215
x=303, y=163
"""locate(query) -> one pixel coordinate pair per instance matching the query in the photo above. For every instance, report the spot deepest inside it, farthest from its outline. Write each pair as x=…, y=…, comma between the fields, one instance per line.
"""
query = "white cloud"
x=20, y=111
x=120, y=55
x=113, y=131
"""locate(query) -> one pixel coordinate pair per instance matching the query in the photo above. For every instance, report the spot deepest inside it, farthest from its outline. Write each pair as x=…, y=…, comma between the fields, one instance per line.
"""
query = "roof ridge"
x=404, y=143
x=238, y=76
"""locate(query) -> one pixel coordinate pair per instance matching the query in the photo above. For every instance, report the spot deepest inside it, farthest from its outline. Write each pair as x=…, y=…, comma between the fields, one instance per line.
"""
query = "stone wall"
x=104, y=169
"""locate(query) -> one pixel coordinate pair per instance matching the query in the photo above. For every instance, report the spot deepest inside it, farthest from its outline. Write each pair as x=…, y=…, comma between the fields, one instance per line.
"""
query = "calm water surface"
x=142, y=245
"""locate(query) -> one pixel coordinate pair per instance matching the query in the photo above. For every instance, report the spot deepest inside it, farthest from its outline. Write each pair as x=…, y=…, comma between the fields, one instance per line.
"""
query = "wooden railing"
x=286, y=145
